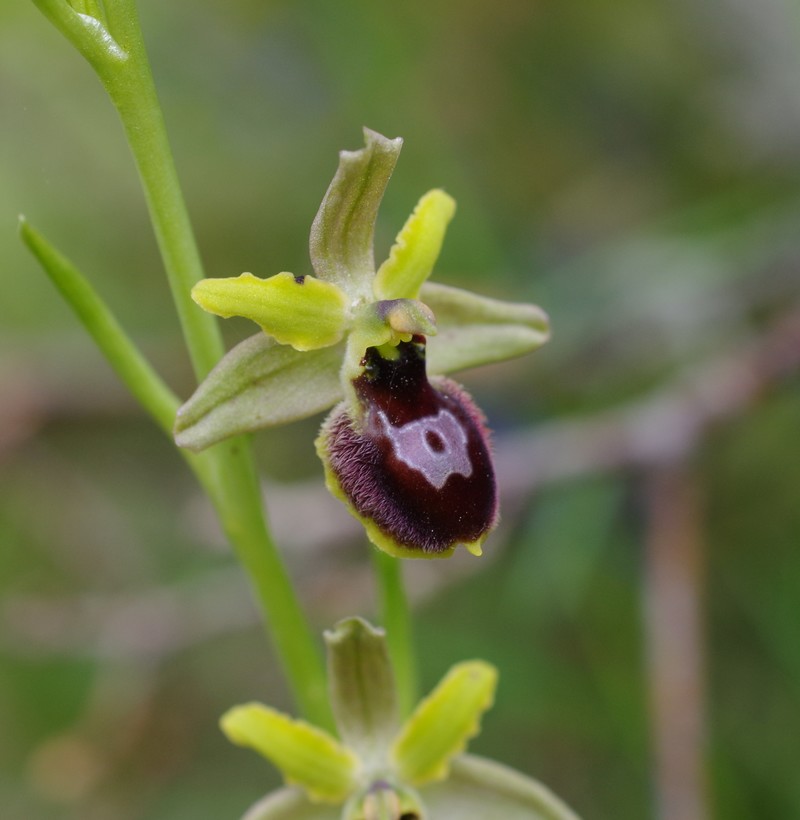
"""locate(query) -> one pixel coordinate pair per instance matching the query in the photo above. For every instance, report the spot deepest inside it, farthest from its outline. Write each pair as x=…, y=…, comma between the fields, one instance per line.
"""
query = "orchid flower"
x=380, y=768
x=408, y=454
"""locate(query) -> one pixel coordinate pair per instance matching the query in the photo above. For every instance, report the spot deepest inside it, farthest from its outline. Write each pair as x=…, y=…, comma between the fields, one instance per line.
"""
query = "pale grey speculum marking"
x=435, y=446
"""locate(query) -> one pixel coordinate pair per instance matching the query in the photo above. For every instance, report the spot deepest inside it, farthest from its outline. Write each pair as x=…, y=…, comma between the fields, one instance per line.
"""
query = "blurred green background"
x=633, y=167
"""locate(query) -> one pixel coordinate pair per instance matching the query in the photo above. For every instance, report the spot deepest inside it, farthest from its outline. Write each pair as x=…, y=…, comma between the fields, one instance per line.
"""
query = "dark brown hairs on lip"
x=417, y=462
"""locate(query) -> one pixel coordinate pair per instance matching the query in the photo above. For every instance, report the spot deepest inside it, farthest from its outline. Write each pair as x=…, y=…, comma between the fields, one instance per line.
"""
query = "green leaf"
x=480, y=789
x=301, y=311
x=259, y=383
x=341, y=241
x=306, y=756
x=475, y=330
x=443, y=723
x=362, y=688
x=416, y=248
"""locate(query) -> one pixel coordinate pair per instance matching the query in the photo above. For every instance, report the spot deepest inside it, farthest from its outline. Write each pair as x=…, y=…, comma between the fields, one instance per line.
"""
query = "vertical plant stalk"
x=238, y=498
x=396, y=619
x=110, y=38
x=673, y=584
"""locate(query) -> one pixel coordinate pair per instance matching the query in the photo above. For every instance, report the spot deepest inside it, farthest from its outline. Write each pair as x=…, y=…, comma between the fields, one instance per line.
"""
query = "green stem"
x=133, y=92
x=396, y=619
x=239, y=501
x=115, y=48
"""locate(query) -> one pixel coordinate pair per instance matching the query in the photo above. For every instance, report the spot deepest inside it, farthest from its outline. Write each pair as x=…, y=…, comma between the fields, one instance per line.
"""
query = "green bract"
x=382, y=770
x=324, y=323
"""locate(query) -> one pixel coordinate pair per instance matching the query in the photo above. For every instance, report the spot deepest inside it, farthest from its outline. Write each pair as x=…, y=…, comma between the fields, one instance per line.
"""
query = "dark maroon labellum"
x=418, y=464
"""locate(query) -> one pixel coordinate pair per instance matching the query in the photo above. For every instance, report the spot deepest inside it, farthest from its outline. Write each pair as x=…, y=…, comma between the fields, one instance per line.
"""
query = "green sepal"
x=477, y=788
x=362, y=688
x=475, y=330
x=300, y=311
x=258, y=384
x=306, y=756
x=443, y=722
x=416, y=248
x=341, y=241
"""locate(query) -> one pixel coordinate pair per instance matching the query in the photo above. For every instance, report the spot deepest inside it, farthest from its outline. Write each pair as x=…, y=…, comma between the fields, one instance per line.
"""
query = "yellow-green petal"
x=300, y=311
x=416, y=248
x=443, y=723
x=306, y=756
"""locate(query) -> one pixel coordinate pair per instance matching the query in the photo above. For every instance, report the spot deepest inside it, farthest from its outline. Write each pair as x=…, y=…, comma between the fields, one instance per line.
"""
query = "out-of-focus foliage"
x=632, y=167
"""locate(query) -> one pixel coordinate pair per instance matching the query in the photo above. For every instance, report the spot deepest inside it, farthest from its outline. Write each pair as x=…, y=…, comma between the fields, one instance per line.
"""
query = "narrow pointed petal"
x=306, y=756
x=475, y=330
x=258, y=384
x=416, y=248
x=362, y=687
x=443, y=723
x=342, y=233
x=300, y=311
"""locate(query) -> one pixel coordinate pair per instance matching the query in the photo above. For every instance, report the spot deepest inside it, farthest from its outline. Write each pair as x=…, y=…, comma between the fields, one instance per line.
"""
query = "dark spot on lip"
x=381, y=487
x=300, y=280
x=434, y=441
